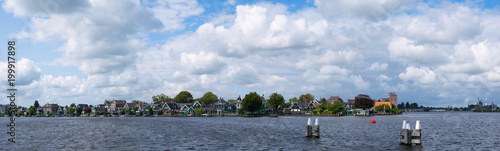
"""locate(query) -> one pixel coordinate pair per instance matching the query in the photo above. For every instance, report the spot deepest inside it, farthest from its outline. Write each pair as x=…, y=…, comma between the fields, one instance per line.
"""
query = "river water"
x=440, y=131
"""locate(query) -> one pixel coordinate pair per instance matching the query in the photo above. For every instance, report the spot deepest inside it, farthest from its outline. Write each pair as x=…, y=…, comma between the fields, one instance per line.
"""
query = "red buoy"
x=373, y=121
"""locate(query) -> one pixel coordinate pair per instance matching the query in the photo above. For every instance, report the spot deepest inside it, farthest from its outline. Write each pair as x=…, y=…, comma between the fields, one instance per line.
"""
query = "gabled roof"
x=120, y=101
x=131, y=105
x=83, y=106
x=304, y=104
x=170, y=105
x=333, y=99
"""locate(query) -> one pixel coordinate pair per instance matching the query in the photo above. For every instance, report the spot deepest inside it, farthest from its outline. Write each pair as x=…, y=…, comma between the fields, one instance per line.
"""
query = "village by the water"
x=251, y=104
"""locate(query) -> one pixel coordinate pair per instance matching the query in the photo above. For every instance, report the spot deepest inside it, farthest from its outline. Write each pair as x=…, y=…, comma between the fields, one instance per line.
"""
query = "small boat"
x=273, y=115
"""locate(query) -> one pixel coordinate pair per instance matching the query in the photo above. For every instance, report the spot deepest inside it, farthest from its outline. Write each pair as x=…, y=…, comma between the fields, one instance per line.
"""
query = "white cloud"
x=447, y=24
x=407, y=51
x=383, y=77
x=43, y=8
x=202, y=63
x=378, y=67
x=422, y=75
x=26, y=71
x=376, y=9
x=173, y=12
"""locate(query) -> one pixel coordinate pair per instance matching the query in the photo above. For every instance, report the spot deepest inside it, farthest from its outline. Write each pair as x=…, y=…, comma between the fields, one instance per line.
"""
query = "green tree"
x=198, y=111
x=91, y=106
x=36, y=105
x=209, y=98
x=306, y=97
x=107, y=101
x=252, y=102
x=381, y=108
x=150, y=111
x=78, y=111
x=136, y=101
x=183, y=97
x=136, y=109
x=161, y=98
x=276, y=100
x=231, y=100
x=8, y=111
x=32, y=110
x=294, y=99
x=363, y=101
x=72, y=105
x=323, y=99
x=71, y=110
x=336, y=107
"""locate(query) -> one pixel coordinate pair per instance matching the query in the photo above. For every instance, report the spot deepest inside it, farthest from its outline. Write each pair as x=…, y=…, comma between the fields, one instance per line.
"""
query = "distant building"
x=393, y=98
x=118, y=104
x=381, y=103
x=50, y=108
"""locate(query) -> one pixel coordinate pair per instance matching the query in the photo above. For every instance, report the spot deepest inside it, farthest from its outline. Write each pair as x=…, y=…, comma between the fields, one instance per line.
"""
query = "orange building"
x=381, y=103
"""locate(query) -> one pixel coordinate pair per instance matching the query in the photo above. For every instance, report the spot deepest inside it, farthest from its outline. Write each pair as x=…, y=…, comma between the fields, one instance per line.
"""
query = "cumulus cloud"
x=173, y=13
x=44, y=8
x=26, y=71
x=378, y=67
x=422, y=75
x=202, y=63
x=407, y=51
x=377, y=9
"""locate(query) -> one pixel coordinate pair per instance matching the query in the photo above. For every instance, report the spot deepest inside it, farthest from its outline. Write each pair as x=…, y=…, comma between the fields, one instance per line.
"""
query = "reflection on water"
x=440, y=131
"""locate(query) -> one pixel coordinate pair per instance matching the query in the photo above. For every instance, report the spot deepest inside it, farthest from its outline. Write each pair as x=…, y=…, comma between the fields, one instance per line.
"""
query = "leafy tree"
x=294, y=99
x=209, y=98
x=136, y=109
x=363, y=101
x=136, y=101
x=71, y=110
x=91, y=106
x=381, y=108
x=252, y=102
x=8, y=111
x=183, y=97
x=161, y=98
x=107, y=101
x=306, y=97
x=231, y=100
x=36, y=105
x=323, y=99
x=276, y=100
x=150, y=111
x=407, y=105
x=32, y=110
x=78, y=111
x=198, y=111
x=336, y=107
x=414, y=105
x=72, y=105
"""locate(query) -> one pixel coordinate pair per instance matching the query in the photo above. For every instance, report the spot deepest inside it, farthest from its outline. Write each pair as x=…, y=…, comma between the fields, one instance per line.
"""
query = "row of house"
x=120, y=107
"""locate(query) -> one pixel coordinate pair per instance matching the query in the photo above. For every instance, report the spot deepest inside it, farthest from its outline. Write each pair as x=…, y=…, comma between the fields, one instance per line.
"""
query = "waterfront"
x=440, y=131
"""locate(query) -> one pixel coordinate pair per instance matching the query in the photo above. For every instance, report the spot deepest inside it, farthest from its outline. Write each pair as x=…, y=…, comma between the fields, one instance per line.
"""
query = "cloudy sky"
x=435, y=53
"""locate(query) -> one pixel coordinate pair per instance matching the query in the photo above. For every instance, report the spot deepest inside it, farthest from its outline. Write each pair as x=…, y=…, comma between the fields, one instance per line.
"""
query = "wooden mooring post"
x=308, y=128
x=409, y=137
x=310, y=131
